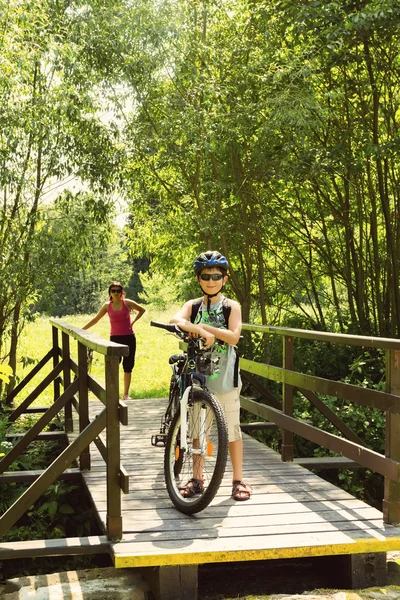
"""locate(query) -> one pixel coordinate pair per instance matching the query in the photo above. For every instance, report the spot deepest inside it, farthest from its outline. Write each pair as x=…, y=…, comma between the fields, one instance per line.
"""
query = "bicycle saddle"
x=176, y=358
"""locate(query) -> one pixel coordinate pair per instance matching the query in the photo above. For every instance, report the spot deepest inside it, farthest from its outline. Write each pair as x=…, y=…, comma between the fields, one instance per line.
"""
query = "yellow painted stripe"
x=122, y=561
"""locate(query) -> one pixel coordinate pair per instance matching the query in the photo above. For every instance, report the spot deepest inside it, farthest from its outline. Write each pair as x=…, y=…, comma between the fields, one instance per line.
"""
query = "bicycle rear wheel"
x=205, y=455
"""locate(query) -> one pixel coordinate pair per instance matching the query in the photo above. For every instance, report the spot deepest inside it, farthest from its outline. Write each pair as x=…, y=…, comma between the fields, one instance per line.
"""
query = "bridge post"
x=68, y=421
x=365, y=570
x=84, y=458
x=176, y=582
x=114, y=516
x=391, y=502
x=287, y=399
x=56, y=360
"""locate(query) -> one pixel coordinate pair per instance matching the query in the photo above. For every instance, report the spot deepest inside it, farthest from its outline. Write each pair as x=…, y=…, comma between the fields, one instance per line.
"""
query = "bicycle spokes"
x=204, y=458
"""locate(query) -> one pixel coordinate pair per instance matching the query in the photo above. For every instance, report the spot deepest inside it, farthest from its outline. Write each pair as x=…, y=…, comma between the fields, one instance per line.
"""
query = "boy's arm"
x=232, y=334
x=182, y=319
x=99, y=315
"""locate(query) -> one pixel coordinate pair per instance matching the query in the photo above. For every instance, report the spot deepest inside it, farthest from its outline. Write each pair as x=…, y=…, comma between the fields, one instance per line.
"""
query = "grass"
x=150, y=377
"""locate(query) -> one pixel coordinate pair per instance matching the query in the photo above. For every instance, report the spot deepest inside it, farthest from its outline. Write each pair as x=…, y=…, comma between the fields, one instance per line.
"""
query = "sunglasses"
x=213, y=276
x=116, y=291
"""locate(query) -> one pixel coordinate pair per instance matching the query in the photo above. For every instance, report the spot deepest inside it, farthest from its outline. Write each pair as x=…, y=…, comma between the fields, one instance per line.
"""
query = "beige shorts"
x=230, y=402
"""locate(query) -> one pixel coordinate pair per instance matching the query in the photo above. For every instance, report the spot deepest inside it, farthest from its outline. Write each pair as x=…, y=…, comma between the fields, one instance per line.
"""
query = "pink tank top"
x=120, y=320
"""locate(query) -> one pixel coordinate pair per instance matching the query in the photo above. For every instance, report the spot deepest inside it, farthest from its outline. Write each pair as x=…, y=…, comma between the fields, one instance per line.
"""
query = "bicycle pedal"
x=159, y=439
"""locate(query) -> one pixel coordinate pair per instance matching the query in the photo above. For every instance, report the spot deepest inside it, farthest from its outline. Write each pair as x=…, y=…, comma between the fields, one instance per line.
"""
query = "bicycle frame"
x=186, y=380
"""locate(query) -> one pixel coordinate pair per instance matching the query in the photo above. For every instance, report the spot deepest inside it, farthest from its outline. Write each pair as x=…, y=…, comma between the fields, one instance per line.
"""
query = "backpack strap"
x=195, y=308
x=226, y=309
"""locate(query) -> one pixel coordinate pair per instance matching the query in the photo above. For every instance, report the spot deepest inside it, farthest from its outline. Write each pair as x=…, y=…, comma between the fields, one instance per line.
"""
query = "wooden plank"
x=266, y=394
x=43, y=435
x=345, y=391
x=259, y=529
x=257, y=426
x=36, y=369
x=33, y=432
x=134, y=518
x=292, y=512
x=368, y=458
x=323, y=336
x=174, y=528
x=61, y=463
x=222, y=511
x=251, y=548
x=27, y=476
x=61, y=547
x=332, y=416
x=113, y=431
x=36, y=392
x=91, y=340
x=327, y=462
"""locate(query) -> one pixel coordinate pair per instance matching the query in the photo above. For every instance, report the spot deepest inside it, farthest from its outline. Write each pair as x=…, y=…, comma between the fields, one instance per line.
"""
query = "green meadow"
x=150, y=377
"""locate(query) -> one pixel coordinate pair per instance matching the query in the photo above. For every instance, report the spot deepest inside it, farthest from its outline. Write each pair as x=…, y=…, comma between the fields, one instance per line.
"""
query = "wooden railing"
x=350, y=445
x=74, y=396
x=76, y=382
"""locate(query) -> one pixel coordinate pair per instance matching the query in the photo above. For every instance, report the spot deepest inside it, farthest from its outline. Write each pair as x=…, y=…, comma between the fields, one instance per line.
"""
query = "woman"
x=119, y=310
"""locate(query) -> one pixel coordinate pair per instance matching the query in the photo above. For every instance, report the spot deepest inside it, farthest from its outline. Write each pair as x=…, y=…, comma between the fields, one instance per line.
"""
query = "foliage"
x=50, y=132
x=150, y=377
x=159, y=292
x=82, y=282
x=269, y=131
x=62, y=511
x=364, y=368
x=5, y=373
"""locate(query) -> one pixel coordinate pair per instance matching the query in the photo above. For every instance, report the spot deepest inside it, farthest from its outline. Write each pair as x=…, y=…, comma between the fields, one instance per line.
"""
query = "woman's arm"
x=136, y=307
x=100, y=315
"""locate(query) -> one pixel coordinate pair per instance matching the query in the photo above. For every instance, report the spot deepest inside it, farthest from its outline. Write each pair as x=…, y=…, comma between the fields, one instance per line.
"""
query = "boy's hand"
x=208, y=339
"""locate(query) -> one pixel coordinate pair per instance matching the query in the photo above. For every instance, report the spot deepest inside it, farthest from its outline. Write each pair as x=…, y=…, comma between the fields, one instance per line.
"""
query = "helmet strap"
x=209, y=296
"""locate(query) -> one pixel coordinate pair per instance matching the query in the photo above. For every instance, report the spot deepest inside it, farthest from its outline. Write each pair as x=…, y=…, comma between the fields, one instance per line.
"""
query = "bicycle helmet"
x=210, y=259
x=207, y=260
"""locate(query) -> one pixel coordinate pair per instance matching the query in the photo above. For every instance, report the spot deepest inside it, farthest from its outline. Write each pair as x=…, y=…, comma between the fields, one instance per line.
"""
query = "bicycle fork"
x=200, y=425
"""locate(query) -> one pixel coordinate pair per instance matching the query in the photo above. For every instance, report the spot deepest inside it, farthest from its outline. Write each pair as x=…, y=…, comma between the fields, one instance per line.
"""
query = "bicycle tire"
x=206, y=420
x=173, y=401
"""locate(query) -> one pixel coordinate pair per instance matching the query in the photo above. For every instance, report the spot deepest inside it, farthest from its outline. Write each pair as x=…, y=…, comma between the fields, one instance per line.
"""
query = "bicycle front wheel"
x=203, y=456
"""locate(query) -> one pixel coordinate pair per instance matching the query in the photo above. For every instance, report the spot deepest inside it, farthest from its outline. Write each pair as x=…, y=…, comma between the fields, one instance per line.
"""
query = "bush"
x=158, y=291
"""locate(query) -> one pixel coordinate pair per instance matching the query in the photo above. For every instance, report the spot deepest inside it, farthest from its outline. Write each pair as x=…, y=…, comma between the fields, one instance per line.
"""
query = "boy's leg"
x=230, y=402
x=236, y=454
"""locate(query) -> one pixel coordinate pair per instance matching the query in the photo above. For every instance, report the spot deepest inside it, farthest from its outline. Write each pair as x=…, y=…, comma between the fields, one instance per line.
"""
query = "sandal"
x=240, y=490
x=192, y=487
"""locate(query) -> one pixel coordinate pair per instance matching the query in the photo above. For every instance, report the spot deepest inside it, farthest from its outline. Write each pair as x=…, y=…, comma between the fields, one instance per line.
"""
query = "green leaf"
x=66, y=509
x=52, y=509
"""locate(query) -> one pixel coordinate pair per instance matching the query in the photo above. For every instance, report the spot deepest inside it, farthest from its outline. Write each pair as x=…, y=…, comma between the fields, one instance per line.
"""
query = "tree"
x=49, y=129
x=269, y=131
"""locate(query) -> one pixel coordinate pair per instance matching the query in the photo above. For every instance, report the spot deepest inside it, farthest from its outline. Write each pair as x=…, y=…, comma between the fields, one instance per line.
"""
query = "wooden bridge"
x=292, y=513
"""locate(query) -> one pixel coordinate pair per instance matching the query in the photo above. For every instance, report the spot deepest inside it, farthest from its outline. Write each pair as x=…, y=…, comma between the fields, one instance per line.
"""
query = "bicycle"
x=193, y=429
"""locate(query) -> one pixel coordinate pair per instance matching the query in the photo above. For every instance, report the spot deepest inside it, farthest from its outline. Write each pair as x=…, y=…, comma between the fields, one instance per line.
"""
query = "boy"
x=214, y=317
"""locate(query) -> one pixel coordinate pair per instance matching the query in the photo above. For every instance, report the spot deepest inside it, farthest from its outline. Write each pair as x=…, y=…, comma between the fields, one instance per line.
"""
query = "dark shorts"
x=128, y=362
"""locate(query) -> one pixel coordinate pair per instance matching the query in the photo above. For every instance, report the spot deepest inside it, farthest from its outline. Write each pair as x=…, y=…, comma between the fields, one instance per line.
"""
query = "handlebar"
x=183, y=335
x=171, y=327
